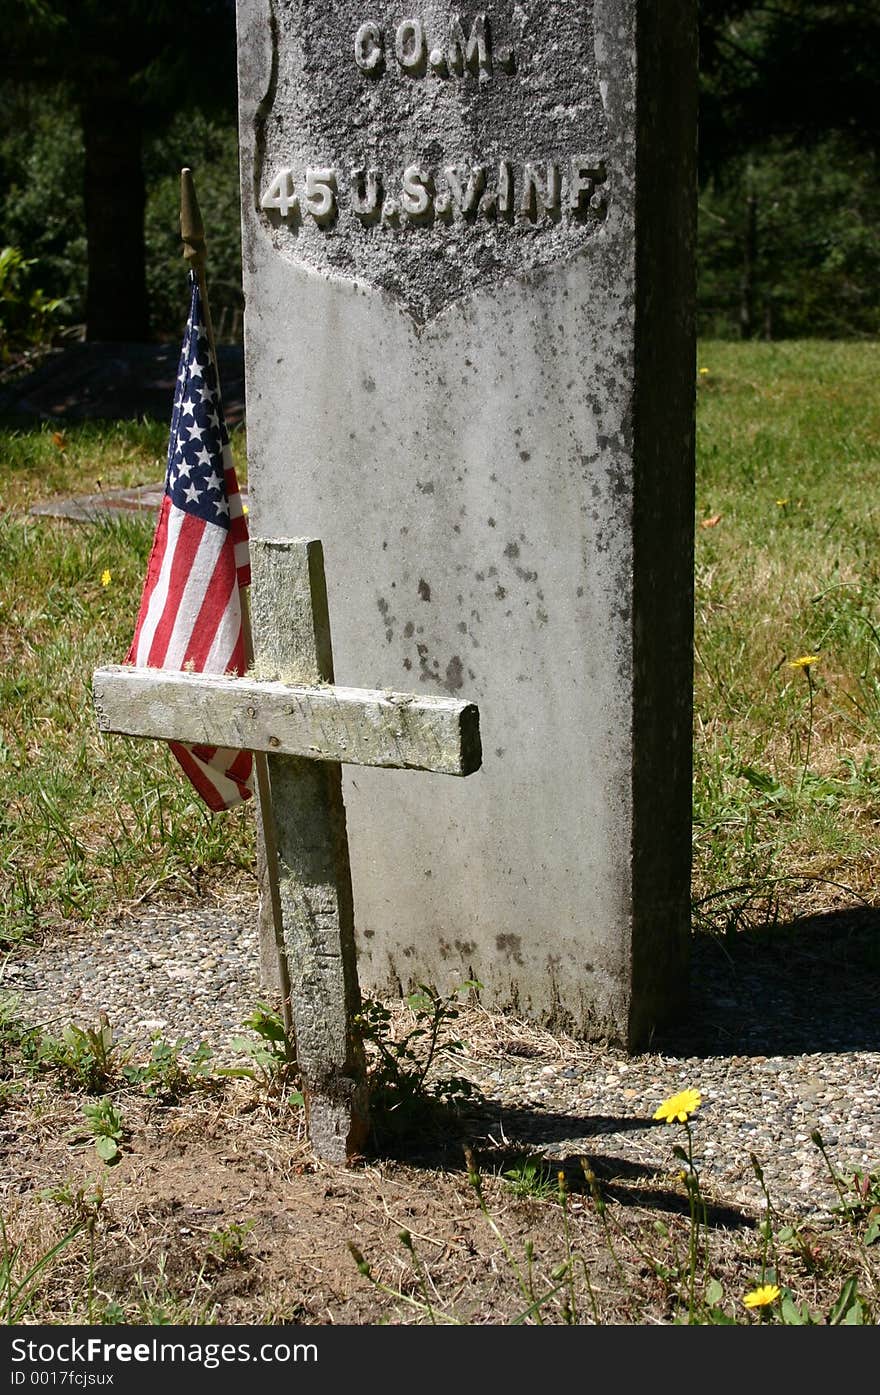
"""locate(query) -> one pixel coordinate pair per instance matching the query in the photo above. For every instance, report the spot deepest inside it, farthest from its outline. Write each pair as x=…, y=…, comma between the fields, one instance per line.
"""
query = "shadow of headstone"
x=808, y=985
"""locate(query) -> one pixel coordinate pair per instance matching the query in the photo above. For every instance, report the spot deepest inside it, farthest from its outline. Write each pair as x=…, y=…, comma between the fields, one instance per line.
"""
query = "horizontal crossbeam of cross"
x=358, y=726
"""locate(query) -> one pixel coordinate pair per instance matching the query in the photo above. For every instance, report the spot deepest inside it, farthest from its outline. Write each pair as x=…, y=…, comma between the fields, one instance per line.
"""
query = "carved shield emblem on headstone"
x=431, y=154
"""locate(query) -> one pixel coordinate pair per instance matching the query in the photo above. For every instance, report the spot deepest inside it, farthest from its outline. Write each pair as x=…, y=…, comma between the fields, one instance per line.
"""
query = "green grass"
x=789, y=457
x=89, y=821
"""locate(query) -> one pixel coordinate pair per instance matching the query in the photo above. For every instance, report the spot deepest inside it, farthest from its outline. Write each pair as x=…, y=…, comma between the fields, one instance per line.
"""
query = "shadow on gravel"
x=808, y=985
x=437, y=1139
x=622, y=1180
x=619, y=1179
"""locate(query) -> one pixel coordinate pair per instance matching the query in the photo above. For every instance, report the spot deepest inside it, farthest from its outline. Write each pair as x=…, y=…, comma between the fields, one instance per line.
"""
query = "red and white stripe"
x=190, y=618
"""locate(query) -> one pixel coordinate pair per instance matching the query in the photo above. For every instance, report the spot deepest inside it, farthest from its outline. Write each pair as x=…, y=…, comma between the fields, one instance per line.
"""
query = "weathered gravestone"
x=468, y=246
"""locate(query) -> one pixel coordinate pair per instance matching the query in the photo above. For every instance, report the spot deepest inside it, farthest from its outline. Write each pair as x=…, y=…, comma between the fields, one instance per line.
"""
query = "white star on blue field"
x=195, y=479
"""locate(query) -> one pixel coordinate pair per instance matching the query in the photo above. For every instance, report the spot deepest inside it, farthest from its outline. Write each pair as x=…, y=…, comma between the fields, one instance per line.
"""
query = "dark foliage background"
x=101, y=105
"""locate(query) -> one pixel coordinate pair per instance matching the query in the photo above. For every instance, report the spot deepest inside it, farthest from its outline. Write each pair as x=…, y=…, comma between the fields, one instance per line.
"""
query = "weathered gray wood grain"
x=292, y=636
x=329, y=723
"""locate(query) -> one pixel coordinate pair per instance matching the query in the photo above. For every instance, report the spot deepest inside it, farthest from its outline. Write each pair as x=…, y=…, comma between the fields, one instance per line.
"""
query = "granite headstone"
x=468, y=261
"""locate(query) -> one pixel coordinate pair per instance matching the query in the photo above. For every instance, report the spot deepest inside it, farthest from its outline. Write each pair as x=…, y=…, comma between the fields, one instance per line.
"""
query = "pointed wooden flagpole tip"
x=192, y=229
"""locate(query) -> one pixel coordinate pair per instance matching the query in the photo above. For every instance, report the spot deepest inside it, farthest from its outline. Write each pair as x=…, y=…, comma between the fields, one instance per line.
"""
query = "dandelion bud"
x=363, y=1266
x=473, y=1171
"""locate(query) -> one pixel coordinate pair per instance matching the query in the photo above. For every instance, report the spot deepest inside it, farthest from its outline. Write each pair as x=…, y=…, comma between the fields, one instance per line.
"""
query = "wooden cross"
x=289, y=707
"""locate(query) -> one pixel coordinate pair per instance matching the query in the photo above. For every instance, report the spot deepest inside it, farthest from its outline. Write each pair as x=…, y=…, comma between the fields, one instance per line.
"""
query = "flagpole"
x=192, y=231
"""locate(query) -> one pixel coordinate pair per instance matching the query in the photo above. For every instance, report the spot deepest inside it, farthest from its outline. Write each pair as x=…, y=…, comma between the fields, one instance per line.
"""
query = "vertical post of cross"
x=292, y=643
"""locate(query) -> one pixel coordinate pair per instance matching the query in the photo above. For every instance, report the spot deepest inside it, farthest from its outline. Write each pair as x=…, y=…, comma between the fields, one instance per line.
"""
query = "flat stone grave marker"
x=290, y=708
x=143, y=499
x=470, y=361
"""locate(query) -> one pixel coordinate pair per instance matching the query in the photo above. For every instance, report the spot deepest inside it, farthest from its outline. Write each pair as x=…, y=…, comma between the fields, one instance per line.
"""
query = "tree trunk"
x=750, y=257
x=116, y=297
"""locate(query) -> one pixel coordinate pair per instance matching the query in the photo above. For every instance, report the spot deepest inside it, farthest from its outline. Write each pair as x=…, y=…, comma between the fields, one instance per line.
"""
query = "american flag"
x=191, y=612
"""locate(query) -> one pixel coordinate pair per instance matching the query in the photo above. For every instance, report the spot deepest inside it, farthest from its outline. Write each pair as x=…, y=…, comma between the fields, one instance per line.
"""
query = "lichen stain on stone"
x=427, y=488
x=511, y=946
x=424, y=590
x=511, y=550
x=454, y=674
x=390, y=620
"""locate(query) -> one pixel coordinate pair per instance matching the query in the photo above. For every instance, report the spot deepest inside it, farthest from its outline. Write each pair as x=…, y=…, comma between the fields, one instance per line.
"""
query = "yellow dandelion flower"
x=703, y=372
x=762, y=1296
x=244, y=509
x=805, y=661
x=679, y=1107
x=782, y=502
x=106, y=577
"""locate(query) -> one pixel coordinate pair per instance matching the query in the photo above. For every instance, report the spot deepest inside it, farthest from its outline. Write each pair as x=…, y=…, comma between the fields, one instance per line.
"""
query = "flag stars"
x=199, y=439
x=190, y=616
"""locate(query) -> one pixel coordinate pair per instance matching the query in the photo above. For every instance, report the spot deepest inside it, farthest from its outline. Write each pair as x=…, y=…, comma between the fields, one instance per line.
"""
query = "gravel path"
x=783, y=1037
